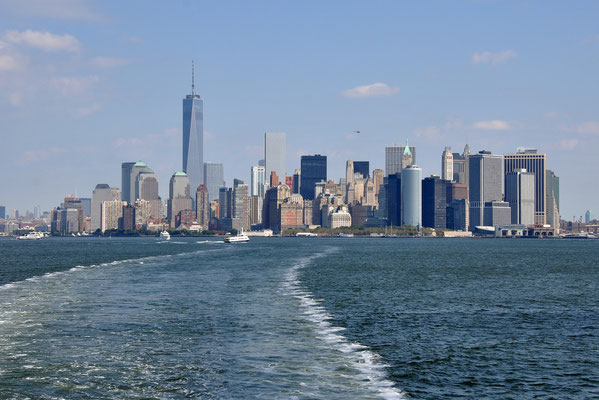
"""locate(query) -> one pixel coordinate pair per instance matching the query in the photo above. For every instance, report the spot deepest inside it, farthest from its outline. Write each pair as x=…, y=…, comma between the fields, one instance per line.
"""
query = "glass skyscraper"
x=313, y=170
x=213, y=179
x=193, y=138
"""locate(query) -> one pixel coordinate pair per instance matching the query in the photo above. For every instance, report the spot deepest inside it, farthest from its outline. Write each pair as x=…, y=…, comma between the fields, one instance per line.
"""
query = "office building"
x=460, y=166
x=126, y=169
x=411, y=196
x=434, y=202
x=534, y=162
x=101, y=193
x=552, y=199
x=225, y=199
x=447, y=165
x=127, y=220
x=146, y=188
x=257, y=181
x=193, y=137
x=456, y=191
x=179, y=198
x=274, y=153
x=213, y=179
x=399, y=157
x=349, y=172
x=314, y=169
x=497, y=213
x=110, y=213
x=520, y=194
x=86, y=203
x=2, y=212
x=392, y=205
x=457, y=215
x=484, y=175
x=362, y=168
x=256, y=204
x=297, y=176
x=241, y=204
x=202, y=206
x=378, y=178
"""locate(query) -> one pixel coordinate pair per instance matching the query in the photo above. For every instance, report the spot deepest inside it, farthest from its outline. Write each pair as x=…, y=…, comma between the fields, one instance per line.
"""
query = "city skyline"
x=86, y=134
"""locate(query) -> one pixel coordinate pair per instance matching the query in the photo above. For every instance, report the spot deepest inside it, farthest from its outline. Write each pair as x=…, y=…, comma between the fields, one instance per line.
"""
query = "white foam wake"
x=371, y=370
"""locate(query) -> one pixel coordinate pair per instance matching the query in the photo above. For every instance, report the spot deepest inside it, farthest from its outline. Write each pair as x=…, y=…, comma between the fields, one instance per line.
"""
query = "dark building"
x=434, y=202
x=225, y=198
x=185, y=218
x=313, y=170
x=127, y=221
x=363, y=168
x=2, y=212
x=393, y=191
x=360, y=214
x=296, y=182
x=457, y=215
x=456, y=191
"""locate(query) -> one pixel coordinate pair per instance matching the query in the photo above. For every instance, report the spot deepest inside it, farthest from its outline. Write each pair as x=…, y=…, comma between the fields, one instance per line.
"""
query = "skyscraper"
x=533, y=162
x=391, y=202
x=101, y=193
x=193, y=137
x=213, y=178
x=552, y=202
x=447, y=165
x=146, y=188
x=2, y=212
x=314, y=169
x=362, y=168
x=257, y=181
x=460, y=166
x=520, y=194
x=434, y=202
x=411, y=196
x=349, y=172
x=274, y=153
x=202, y=206
x=241, y=204
x=126, y=169
x=484, y=186
x=179, y=199
x=399, y=157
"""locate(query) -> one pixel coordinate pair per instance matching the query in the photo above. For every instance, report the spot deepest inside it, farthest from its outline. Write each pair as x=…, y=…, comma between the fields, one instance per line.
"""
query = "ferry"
x=164, y=235
x=31, y=236
x=239, y=238
x=306, y=234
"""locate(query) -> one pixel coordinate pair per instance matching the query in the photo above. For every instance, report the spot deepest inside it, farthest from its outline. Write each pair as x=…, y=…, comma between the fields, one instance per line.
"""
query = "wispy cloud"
x=589, y=128
x=493, y=58
x=493, y=125
x=8, y=62
x=30, y=156
x=75, y=84
x=45, y=41
x=58, y=9
x=109, y=62
x=374, y=90
x=568, y=144
x=88, y=110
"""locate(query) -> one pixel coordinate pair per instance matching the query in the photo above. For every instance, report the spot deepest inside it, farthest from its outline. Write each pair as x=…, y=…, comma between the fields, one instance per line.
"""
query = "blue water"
x=295, y=318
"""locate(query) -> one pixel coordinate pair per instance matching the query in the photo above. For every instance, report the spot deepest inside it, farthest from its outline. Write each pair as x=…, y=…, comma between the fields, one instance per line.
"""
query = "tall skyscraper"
x=314, y=169
x=241, y=204
x=274, y=153
x=126, y=169
x=411, y=196
x=520, y=194
x=484, y=186
x=392, y=205
x=101, y=193
x=552, y=202
x=297, y=179
x=447, y=165
x=362, y=168
x=434, y=202
x=460, y=166
x=225, y=198
x=179, y=199
x=349, y=172
x=399, y=157
x=146, y=188
x=213, y=178
x=193, y=137
x=202, y=207
x=257, y=181
x=2, y=212
x=533, y=162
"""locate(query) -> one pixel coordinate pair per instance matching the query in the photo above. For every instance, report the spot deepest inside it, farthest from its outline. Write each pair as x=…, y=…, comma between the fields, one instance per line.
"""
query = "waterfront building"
x=552, y=199
x=308, y=212
x=225, y=198
x=434, y=202
x=126, y=169
x=257, y=180
x=411, y=196
x=179, y=197
x=213, y=179
x=292, y=213
x=127, y=220
x=339, y=218
x=458, y=215
x=588, y=217
x=360, y=214
x=497, y=213
x=533, y=162
x=393, y=203
x=520, y=194
x=274, y=153
x=362, y=168
x=101, y=193
x=256, y=204
x=202, y=206
x=399, y=157
x=110, y=213
x=484, y=184
x=447, y=165
x=214, y=209
x=241, y=204
x=2, y=212
x=75, y=203
x=193, y=136
x=146, y=188
x=314, y=169
x=456, y=191
x=143, y=213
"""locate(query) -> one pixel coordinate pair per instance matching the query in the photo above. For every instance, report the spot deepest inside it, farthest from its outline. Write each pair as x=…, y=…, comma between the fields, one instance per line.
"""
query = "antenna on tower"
x=193, y=91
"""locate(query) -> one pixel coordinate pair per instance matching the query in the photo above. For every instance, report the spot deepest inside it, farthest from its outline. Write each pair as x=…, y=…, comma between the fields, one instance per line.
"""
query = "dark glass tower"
x=434, y=202
x=313, y=170
x=363, y=168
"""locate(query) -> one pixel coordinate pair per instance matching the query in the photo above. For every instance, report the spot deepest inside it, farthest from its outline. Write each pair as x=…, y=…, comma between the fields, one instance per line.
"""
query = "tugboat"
x=239, y=238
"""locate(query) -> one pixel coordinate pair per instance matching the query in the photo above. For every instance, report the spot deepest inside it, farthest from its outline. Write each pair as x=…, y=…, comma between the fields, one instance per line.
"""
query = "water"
x=299, y=318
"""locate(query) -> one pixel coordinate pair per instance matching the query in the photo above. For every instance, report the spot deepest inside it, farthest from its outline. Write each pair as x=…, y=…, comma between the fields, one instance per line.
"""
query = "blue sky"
x=86, y=85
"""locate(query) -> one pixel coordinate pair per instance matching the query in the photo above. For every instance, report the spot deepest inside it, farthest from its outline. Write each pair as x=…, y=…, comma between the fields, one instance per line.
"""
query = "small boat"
x=164, y=235
x=31, y=236
x=239, y=238
x=306, y=234
x=345, y=235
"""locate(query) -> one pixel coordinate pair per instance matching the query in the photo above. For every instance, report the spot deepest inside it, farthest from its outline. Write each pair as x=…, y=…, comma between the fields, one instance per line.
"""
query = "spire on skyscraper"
x=193, y=91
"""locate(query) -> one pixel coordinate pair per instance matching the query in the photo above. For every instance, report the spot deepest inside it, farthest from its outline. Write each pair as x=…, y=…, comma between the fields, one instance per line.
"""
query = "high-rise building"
x=289, y=182
x=378, y=179
x=457, y=215
x=297, y=176
x=274, y=153
x=411, y=196
x=520, y=194
x=127, y=220
x=75, y=203
x=225, y=199
x=86, y=203
x=179, y=198
x=193, y=137
x=399, y=157
x=257, y=181
x=314, y=169
x=2, y=212
x=101, y=193
x=460, y=166
x=393, y=199
x=434, y=202
x=497, y=213
x=484, y=175
x=146, y=188
x=349, y=172
x=533, y=162
x=552, y=202
x=588, y=216
x=110, y=213
x=362, y=168
x=126, y=169
x=202, y=206
x=213, y=178
x=256, y=204
x=241, y=204
x=447, y=165
x=274, y=179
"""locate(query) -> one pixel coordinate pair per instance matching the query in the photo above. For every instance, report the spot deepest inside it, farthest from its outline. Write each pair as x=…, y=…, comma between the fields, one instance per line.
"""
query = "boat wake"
x=371, y=370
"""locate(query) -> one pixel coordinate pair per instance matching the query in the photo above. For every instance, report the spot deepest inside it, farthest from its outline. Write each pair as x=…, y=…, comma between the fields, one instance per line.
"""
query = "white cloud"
x=493, y=58
x=374, y=90
x=493, y=125
x=45, y=41
x=568, y=144
x=60, y=9
x=430, y=133
x=8, y=62
x=74, y=85
x=588, y=128
x=109, y=62
x=88, y=110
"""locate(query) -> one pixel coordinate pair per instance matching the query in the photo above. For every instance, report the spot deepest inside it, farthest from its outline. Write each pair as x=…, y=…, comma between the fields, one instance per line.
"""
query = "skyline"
x=80, y=107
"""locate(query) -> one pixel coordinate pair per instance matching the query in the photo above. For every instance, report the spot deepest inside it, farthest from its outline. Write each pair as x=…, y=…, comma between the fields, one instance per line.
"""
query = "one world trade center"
x=193, y=137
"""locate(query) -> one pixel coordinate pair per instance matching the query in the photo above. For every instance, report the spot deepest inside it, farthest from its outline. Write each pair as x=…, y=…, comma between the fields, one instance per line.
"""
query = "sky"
x=87, y=85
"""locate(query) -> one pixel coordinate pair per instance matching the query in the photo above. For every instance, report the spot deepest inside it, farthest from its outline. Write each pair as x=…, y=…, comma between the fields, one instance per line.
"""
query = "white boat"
x=239, y=238
x=164, y=235
x=346, y=235
x=31, y=236
x=306, y=234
